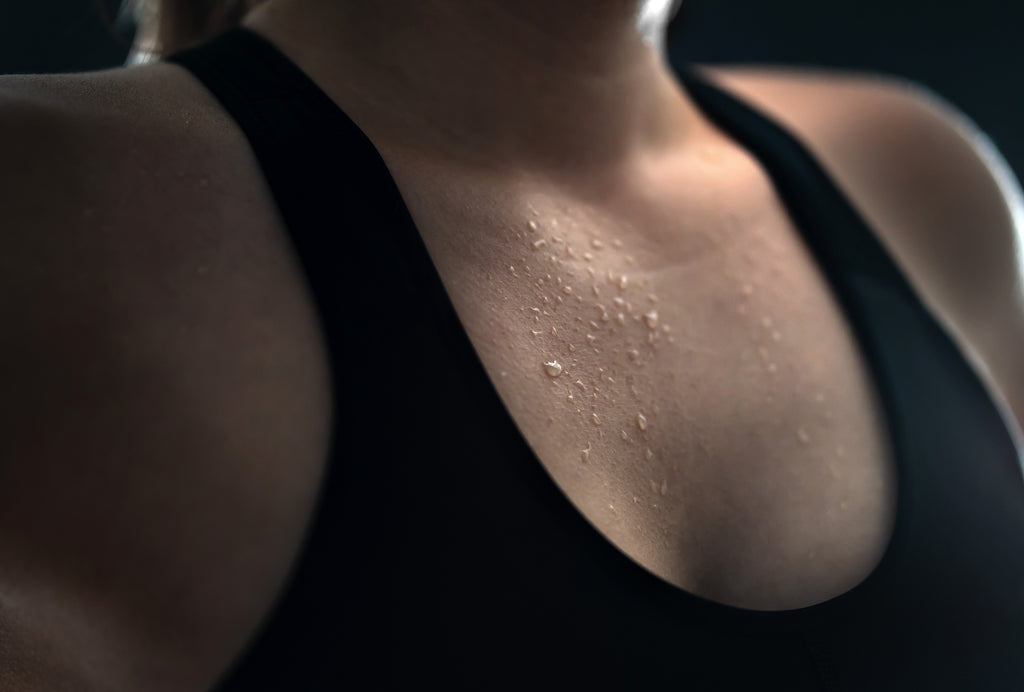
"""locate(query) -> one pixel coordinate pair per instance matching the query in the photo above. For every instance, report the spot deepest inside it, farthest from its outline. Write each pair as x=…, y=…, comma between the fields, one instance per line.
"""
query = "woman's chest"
x=695, y=391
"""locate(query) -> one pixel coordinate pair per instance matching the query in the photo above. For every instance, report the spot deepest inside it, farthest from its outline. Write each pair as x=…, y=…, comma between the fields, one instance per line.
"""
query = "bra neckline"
x=281, y=69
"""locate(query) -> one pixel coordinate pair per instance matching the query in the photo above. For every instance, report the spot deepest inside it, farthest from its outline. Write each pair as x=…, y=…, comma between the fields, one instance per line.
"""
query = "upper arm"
x=936, y=190
x=163, y=418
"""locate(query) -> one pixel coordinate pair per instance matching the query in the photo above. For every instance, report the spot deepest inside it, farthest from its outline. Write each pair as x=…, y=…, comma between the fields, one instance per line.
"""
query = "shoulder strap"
x=834, y=230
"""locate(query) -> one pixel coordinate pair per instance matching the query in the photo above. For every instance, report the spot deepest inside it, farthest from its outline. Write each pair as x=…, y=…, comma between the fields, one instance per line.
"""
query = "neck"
x=559, y=84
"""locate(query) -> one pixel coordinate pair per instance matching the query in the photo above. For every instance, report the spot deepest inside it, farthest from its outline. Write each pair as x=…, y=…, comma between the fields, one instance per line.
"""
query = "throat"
x=511, y=84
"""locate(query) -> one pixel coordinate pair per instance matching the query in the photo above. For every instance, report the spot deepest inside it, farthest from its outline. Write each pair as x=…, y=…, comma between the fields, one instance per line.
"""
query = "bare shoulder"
x=896, y=147
x=150, y=125
x=166, y=406
x=933, y=186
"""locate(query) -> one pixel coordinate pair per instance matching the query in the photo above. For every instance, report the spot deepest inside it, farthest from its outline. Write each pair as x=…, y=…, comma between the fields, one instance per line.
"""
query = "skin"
x=610, y=135
x=106, y=583
x=614, y=104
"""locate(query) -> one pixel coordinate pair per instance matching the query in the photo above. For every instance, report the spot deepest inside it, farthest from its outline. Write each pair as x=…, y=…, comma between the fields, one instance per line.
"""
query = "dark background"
x=966, y=52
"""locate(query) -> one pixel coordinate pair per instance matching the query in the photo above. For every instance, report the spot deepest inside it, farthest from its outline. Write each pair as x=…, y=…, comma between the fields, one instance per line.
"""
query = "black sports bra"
x=426, y=568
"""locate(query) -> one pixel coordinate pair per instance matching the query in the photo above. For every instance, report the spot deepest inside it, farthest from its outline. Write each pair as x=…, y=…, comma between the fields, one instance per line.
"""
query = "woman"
x=372, y=345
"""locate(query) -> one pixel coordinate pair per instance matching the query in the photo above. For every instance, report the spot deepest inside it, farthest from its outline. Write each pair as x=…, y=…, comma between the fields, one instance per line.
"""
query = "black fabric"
x=443, y=555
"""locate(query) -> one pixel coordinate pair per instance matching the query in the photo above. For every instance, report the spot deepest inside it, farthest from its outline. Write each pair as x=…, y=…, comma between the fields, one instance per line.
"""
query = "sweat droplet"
x=651, y=318
x=649, y=454
x=597, y=421
x=585, y=454
x=623, y=281
x=622, y=433
x=538, y=244
x=596, y=244
x=633, y=354
x=532, y=225
x=553, y=368
x=567, y=290
x=641, y=421
x=802, y=435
